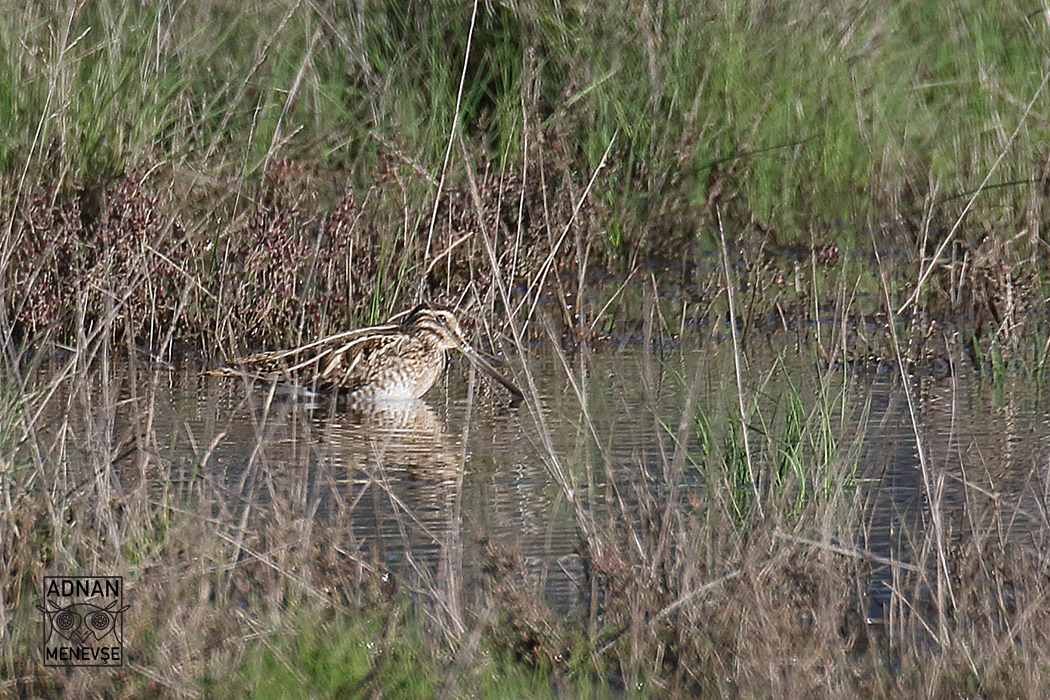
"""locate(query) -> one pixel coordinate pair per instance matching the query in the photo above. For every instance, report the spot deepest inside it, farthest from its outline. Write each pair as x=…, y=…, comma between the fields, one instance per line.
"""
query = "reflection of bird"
x=398, y=360
x=400, y=436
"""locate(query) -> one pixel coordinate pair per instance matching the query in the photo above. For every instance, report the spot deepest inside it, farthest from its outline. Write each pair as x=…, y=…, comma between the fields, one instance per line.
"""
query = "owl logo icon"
x=80, y=622
x=83, y=621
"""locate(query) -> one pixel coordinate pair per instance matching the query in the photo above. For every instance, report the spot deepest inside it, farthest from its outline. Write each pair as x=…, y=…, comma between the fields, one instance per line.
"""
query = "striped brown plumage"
x=398, y=360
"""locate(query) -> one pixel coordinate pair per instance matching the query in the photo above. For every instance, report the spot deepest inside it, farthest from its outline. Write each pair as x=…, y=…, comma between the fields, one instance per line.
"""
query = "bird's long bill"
x=483, y=364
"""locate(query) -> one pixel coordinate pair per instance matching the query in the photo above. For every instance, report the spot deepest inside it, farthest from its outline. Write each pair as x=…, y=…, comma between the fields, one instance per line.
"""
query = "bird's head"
x=443, y=325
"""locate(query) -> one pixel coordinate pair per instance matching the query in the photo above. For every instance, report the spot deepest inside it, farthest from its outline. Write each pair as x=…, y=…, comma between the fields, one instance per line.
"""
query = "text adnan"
x=83, y=587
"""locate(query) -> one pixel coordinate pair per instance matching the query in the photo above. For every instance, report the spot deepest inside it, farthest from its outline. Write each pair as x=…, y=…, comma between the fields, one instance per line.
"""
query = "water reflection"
x=430, y=485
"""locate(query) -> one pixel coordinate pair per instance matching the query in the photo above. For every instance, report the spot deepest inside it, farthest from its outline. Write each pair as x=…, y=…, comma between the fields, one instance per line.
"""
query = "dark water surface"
x=448, y=478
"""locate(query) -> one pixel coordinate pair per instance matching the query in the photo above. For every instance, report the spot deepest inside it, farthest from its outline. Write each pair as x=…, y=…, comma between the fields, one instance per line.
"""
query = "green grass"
x=380, y=652
x=806, y=113
x=801, y=125
x=330, y=659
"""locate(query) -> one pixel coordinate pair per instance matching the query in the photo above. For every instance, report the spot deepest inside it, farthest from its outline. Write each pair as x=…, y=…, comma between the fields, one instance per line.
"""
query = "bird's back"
x=392, y=361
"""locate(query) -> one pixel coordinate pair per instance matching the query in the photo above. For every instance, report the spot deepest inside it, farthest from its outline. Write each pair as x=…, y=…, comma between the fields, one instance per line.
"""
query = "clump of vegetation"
x=247, y=136
x=203, y=179
x=707, y=570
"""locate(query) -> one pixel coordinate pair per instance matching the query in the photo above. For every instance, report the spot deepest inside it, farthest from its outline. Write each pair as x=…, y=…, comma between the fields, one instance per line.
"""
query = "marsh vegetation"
x=720, y=246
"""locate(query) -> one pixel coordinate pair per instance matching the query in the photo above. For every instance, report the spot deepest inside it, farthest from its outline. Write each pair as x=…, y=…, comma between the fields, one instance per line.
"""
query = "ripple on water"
x=460, y=479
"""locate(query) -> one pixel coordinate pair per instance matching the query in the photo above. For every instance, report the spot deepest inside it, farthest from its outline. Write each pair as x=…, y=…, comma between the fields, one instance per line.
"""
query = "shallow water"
x=447, y=480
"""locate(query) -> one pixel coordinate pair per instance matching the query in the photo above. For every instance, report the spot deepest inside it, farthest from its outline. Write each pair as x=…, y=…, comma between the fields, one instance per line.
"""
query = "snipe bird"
x=398, y=360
